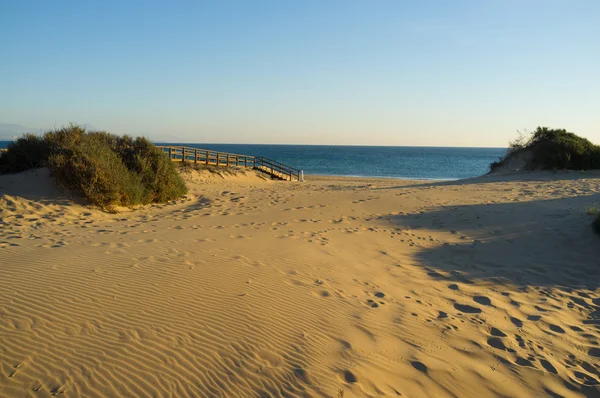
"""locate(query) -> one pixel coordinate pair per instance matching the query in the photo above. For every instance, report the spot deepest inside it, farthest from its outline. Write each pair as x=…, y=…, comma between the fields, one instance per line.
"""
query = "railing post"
x=276, y=169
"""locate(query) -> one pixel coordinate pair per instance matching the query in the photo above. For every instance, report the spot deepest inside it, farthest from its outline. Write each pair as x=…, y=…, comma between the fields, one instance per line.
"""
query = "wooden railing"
x=207, y=157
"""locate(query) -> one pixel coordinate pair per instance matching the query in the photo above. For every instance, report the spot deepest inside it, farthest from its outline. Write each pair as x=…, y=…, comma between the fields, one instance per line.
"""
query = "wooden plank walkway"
x=268, y=166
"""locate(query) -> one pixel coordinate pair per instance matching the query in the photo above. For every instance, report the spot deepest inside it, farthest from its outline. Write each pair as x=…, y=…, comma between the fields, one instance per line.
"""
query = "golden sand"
x=335, y=287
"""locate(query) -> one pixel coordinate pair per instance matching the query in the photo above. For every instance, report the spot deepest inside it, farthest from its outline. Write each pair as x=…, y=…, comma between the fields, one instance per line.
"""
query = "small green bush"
x=27, y=152
x=554, y=149
x=559, y=149
x=107, y=169
x=594, y=210
x=158, y=174
x=94, y=169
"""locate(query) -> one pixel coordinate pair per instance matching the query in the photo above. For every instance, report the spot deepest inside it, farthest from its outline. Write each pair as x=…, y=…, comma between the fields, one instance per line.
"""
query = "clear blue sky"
x=464, y=73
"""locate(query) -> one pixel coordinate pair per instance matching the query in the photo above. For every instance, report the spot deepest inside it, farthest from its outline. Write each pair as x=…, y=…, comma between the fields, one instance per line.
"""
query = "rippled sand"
x=335, y=287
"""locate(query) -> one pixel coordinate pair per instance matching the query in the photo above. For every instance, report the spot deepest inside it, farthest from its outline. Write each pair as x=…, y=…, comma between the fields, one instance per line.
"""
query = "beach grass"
x=593, y=210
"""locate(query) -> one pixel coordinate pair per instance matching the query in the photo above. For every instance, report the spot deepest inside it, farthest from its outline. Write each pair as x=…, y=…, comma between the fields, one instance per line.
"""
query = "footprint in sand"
x=372, y=303
x=349, y=377
x=497, y=333
x=483, y=300
x=498, y=344
x=323, y=293
x=420, y=366
x=518, y=323
x=467, y=309
x=557, y=329
x=548, y=366
x=524, y=362
x=435, y=274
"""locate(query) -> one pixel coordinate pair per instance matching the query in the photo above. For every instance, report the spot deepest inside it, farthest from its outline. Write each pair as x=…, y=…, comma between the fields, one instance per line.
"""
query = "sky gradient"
x=348, y=72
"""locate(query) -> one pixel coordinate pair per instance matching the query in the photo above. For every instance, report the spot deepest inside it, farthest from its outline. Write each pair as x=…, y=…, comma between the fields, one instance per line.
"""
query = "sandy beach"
x=336, y=287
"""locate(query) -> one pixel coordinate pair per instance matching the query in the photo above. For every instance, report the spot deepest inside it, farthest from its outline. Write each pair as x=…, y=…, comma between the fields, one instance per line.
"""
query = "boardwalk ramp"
x=273, y=168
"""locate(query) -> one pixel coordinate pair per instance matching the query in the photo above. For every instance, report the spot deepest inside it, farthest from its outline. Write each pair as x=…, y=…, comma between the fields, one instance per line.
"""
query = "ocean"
x=427, y=163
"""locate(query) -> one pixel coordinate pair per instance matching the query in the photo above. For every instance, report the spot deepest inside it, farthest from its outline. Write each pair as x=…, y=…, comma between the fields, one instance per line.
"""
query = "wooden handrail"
x=203, y=150
x=209, y=157
x=275, y=161
x=278, y=165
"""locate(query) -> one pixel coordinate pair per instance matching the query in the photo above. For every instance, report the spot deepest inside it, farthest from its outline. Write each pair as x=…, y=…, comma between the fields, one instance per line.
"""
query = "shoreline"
x=387, y=178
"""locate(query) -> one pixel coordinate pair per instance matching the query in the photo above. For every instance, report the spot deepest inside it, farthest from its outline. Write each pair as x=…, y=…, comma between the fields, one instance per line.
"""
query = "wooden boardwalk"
x=268, y=166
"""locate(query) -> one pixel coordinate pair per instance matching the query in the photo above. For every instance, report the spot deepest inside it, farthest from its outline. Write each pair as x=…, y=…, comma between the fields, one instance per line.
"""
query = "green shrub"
x=91, y=167
x=64, y=138
x=559, y=149
x=553, y=149
x=107, y=169
x=159, y=175
x=27, y=152
x=594, y=210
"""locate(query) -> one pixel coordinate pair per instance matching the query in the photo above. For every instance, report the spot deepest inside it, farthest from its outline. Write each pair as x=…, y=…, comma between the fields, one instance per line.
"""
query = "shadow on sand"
x=37, y=185
x=534, y=176
x=543, y=242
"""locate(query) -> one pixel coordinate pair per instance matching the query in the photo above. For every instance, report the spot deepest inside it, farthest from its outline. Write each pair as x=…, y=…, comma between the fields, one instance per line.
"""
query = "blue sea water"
x=438, y=163
x=368, y=161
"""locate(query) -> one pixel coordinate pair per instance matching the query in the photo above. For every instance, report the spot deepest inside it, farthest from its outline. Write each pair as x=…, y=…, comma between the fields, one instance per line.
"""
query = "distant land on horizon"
x=10, y=131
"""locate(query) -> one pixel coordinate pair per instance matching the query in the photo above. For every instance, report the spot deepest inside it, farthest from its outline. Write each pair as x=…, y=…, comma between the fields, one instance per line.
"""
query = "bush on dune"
x=559, y=149
x=27, y=152
x=553, y=149
x=157, y=172
x=92, y=168
x=109, y=170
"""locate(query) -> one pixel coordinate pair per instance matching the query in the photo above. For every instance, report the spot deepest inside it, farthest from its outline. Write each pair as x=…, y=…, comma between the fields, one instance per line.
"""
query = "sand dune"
x=487, y=287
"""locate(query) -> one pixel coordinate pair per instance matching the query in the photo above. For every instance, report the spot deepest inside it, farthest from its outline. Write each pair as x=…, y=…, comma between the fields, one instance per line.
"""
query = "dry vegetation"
x=108, y=170
x=553, y=149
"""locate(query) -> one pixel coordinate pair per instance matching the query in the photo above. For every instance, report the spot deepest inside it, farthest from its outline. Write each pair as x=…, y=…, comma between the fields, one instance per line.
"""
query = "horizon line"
x=8, y=139
x=353, y=145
